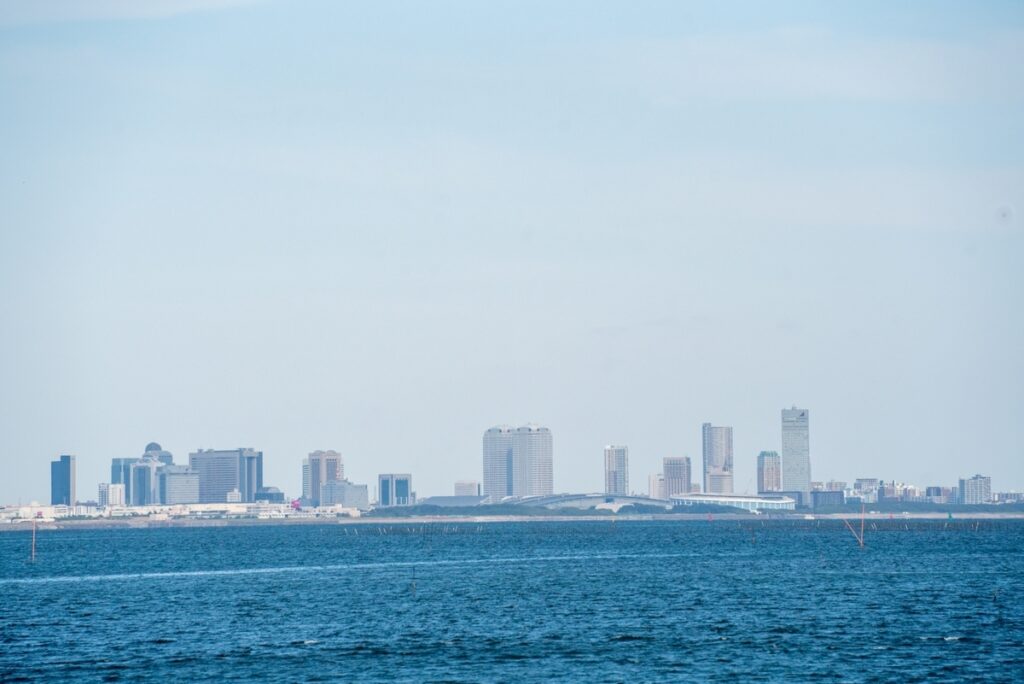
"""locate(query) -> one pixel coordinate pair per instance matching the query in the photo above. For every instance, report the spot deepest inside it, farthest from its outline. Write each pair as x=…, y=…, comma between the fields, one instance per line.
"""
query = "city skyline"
x=153, y=478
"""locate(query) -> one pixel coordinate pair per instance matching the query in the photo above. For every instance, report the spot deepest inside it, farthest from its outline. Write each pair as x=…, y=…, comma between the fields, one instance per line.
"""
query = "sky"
x=383, y=227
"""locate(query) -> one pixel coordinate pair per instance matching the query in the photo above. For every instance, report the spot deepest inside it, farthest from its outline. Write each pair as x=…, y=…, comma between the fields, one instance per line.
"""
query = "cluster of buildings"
x=517, y=468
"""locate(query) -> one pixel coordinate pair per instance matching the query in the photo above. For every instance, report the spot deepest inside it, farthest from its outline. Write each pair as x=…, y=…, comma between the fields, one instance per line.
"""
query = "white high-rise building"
x=467, y=488
x=320, y=467
x=975, y=490
x=796, y=452
x=717, y=448
x=616, y=470
x=676, y=470
x=517, y=462
x=656, y=486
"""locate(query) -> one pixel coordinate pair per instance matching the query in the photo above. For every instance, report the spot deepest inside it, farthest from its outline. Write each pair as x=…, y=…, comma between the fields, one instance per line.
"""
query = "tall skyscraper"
x=677, y=472
x=395, y=490
x=517, y=462
x=145, y=485
x=769, y=472
x=62, y=481
x=223, y=472
x=121, y=473
x=717, y=448
x=498, y=482
x=320, y=467
x=796, y=452
x=616, y=470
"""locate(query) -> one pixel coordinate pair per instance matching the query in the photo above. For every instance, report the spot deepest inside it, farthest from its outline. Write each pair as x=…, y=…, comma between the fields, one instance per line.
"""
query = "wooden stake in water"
x=858, y=537
x=33, y=557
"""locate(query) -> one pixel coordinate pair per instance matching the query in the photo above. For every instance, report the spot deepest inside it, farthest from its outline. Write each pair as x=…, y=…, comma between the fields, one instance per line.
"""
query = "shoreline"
x=146, y=523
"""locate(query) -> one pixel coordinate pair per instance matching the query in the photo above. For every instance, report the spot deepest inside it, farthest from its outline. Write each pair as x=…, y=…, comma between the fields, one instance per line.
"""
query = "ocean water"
x=759, y=600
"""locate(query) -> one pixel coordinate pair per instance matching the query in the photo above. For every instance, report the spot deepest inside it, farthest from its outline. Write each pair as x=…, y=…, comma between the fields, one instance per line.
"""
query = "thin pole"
x=33, y=559
x=862, y=524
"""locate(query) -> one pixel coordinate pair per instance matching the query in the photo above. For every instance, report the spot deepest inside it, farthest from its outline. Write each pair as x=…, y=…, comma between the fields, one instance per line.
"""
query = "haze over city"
x=382, y=230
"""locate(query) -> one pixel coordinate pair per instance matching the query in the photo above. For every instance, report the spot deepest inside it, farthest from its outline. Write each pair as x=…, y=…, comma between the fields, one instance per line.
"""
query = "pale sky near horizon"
x=383, y=227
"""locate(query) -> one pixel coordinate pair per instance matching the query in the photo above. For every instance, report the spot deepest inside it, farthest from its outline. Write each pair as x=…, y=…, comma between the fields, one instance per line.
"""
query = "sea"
x=602, y=600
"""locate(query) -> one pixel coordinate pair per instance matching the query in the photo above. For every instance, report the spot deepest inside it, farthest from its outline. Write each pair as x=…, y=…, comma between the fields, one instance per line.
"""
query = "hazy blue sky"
x=383, y=227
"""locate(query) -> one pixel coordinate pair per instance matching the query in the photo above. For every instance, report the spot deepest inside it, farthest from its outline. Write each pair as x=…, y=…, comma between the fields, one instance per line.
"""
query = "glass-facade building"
x=395, y=490
x=517, y=462
x=223, y=472
x=796, y=452
x=62, y=481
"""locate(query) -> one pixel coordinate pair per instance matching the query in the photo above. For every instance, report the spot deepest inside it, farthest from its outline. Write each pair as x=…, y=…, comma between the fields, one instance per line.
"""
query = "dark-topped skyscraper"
x=796, y=452
x=62, y=481
x=717, y=448
x=517, y=462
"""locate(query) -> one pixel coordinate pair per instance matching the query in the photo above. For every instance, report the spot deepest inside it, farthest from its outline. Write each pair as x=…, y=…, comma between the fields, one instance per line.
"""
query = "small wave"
x=174, y=574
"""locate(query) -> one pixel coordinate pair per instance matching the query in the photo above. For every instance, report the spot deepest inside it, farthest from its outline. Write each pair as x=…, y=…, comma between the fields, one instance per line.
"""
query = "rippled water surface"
x=589, y=600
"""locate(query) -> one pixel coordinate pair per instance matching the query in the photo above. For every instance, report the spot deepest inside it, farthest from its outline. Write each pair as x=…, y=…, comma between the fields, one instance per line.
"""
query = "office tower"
x=769, y=472
x=796, y=452
x=121, y=473
x=976, y=490
x=467, y=488
x=676, y=470
x=497, y=447
x=177, y=484
x=616, y=470
x=145, y=485
x=223, y=472
x=320, y=467
x=344, y=493
x=717, y=448
x=395, y=490
x=532, y=461
x=517, y=462
x=656, y=486
x=62, y=481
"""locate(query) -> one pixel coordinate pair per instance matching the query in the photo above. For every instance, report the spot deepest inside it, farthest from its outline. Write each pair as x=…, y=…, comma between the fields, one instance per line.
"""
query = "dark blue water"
x=591, y=601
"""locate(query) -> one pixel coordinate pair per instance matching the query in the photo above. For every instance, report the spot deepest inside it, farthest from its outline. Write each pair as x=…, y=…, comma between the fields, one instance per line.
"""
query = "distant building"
x=656, y=486
x=517, y=462
x=718, y=464
x=116, y=495
x=975, y=490
x=796, y=451
x=616, y=469
x=145, y=482
x=395, y=490
x=824, y=498
x=222, y=472
x=103, y=494
x=746, y=502
x=62, y=481
x=157, y=452
x=344, y=493
x=452, y=501
x=321, y=467
x=835, y=486
x=769, y=472
x=121, y=473
x=467, y=488
x=270, y=495
x=177, y=484
x=678, y=475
